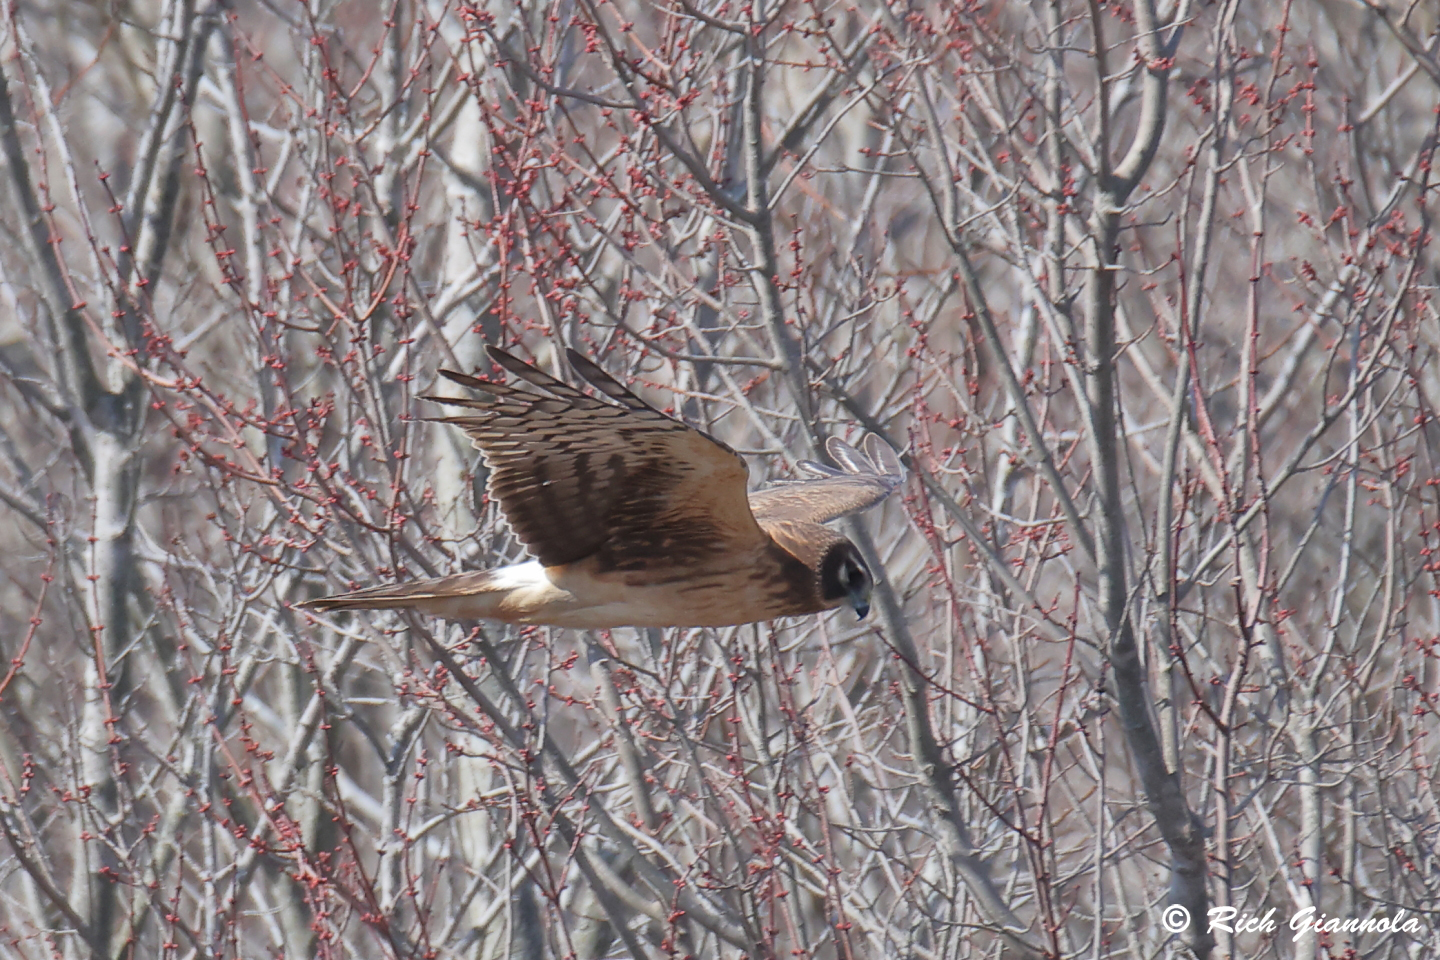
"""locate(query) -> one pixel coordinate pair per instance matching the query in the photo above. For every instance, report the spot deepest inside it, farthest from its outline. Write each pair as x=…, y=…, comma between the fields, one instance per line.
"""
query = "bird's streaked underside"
x=636, y=519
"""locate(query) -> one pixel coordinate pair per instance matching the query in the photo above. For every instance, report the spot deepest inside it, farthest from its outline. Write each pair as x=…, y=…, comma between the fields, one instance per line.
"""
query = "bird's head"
x=845, y=577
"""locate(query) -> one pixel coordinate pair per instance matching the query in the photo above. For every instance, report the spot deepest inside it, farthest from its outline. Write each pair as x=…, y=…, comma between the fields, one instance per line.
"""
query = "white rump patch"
x=519, y=576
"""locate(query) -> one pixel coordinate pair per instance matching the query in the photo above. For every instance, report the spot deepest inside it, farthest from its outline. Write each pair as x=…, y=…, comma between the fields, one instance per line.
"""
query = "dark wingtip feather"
x=494, y=388
x=525, y=371
x=593, y=374
x=505, y=358
x=455, y=402
x=534, y=375
x=465, y=380
x=581, y=364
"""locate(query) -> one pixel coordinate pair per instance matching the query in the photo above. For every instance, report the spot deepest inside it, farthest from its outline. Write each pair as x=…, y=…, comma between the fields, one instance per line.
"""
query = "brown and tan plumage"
x=636, y=519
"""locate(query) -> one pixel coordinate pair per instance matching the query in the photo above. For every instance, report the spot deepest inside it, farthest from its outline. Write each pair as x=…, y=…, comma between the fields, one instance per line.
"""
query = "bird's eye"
x=853, y=574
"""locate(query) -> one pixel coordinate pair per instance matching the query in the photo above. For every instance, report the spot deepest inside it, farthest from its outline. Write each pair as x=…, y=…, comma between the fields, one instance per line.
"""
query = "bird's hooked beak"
x=860, y=600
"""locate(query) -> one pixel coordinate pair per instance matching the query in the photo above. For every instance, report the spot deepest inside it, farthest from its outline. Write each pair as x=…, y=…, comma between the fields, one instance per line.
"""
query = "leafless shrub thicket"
x=1145, y=293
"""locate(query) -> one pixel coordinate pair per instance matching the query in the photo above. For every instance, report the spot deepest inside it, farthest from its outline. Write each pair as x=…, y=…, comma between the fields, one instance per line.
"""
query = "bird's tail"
x=463, y=595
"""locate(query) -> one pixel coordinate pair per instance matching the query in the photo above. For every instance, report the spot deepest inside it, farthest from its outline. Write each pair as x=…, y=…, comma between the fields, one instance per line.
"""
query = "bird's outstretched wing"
x=579, y=477
x=862, y=481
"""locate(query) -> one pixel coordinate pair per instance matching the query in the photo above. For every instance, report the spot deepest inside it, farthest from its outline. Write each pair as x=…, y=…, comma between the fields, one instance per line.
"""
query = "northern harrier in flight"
x=636, y=519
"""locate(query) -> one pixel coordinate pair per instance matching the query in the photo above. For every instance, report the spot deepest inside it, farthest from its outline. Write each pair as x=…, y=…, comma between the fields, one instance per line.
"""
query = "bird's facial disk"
x=844, y=578
x=856, y=581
